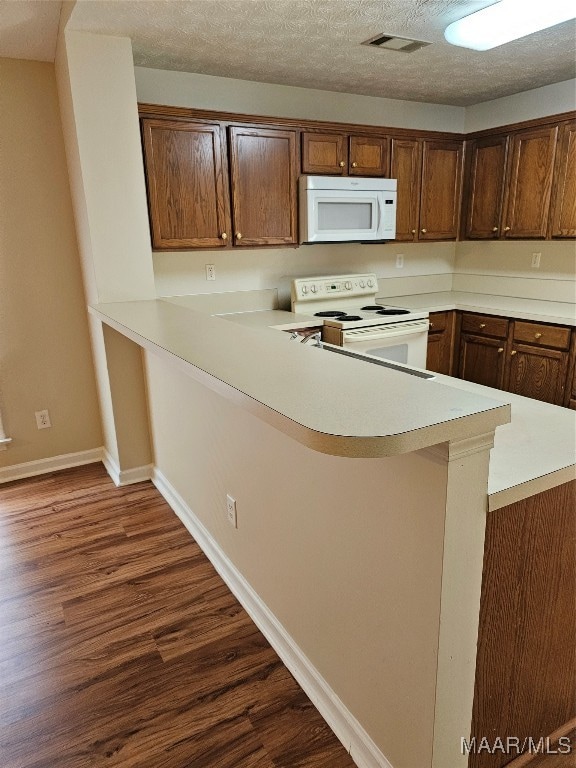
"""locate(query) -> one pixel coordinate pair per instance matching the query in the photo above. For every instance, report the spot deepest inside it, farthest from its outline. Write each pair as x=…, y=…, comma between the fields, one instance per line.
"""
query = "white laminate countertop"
x=534, y=452
x=560, y=312
x=328, y=402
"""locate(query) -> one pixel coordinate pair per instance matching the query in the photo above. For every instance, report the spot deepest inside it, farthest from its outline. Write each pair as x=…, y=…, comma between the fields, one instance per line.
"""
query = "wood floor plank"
x=120, y=646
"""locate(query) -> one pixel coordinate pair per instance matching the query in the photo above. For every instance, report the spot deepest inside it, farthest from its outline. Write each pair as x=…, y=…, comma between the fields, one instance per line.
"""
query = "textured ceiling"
x=316, y=44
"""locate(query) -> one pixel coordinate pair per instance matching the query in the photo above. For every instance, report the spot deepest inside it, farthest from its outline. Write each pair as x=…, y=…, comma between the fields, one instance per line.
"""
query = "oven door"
x=401, y=342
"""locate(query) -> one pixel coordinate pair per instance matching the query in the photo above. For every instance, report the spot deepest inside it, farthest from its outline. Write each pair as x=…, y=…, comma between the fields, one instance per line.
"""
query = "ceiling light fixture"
x=508, y=20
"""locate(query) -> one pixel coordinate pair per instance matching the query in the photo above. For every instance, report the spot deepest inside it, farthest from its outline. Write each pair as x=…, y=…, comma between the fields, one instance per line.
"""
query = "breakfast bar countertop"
x=325, y=401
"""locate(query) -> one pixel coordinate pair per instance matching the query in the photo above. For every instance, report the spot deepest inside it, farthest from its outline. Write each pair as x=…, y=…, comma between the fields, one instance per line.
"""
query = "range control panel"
x=316, y=288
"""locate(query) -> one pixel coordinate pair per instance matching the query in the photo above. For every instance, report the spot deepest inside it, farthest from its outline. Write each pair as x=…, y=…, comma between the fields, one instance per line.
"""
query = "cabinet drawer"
x=438, y=321
x=542, y=335
x=486, y=325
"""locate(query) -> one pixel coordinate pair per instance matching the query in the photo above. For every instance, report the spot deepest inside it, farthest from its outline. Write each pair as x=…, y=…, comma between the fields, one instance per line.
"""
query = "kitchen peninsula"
x=360, y=559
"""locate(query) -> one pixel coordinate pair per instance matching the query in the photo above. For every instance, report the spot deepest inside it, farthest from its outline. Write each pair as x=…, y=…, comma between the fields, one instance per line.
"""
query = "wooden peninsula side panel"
x=526, y=662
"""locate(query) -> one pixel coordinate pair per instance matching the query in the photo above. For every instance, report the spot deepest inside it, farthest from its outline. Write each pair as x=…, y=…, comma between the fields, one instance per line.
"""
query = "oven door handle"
x=386, y=332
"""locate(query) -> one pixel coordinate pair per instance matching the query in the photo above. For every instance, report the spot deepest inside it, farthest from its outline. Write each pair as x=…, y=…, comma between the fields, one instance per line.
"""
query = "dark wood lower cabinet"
x=439, y=355
x=526, y=660
x=527, y=358
x=538, y=373
x=482, y=360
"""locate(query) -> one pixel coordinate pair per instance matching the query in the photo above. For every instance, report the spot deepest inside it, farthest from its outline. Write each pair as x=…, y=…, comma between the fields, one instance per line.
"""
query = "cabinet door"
x=440, y=196
x=563, y=214
x=187, y=189
x=530, y=182
x=482, y=360
x=486, y=187
x=406, y=166
x=440, y=342
x=324, y=153
x=369, y=156
x=263, y=181
x=538, y=373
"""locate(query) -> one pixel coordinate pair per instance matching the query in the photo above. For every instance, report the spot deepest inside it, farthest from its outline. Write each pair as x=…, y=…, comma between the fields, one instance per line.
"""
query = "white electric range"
x=353, y=319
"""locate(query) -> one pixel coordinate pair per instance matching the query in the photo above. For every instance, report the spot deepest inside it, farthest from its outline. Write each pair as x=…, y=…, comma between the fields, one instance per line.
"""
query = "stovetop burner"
x=393, y=312
x=330, y=313
x=371, y=307
x=348, y=318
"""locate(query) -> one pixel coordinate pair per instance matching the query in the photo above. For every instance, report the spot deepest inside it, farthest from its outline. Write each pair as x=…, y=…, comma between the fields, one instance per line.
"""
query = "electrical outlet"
x=400, y=261
x=536, y=260
x=231, y=511
x=210, y=272
x=43, y=419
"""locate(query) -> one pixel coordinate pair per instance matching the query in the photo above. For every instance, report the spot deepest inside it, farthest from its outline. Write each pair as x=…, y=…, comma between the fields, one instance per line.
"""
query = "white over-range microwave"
x=347, y=209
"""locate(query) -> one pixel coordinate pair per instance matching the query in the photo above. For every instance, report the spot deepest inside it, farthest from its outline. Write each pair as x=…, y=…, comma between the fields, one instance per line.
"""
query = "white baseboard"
x=52, y=464
x=357, y=742
x=125, y=476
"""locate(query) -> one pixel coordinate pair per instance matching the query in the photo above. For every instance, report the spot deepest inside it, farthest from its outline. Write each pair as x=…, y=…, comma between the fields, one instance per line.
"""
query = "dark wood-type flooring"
x=121, y=646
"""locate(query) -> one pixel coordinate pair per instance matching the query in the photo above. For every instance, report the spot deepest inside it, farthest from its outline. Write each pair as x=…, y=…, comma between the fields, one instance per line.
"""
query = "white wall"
x=99, y=114
x=186, y=89
x=528, y=105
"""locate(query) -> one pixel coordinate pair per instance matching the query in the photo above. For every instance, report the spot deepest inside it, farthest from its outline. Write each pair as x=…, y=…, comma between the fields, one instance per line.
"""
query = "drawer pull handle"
x=482, y=325
x=513, y=353
x=537, y=335
x=500, y=350
x=341, y=163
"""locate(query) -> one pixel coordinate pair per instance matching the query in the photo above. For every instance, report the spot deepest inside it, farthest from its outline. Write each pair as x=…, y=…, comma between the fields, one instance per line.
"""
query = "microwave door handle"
x=379, y=214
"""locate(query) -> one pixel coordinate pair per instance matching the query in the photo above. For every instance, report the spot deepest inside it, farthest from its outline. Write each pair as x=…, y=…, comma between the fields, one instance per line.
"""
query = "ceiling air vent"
x=390, y=43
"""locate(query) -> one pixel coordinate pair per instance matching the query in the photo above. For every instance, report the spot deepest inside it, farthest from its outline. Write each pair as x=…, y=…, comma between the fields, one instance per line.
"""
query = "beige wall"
x=347, y=553
x=45, y=359
x=504, y=269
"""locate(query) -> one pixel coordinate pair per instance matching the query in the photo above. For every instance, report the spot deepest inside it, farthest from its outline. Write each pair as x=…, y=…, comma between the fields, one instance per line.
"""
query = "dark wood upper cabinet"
x=187, y=186
x=263, y=177
x=529, y=185
x=325, y=153
x=406, y=167
x=485, y=188
x=440, y=195
x=369, y=156
x=563, y=213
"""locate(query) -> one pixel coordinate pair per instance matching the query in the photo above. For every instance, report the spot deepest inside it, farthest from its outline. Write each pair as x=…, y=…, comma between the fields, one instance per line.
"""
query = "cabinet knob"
x=424, y=231
x=413, y=231
x=506, y=229
x=494, y=229
x=354, y=165
x=537, y=335
x=500, y=350
x=512, y=353
x=224, y=236
x=341, y=163
x=238, y=235
x=482, y=325
x=431, y=325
